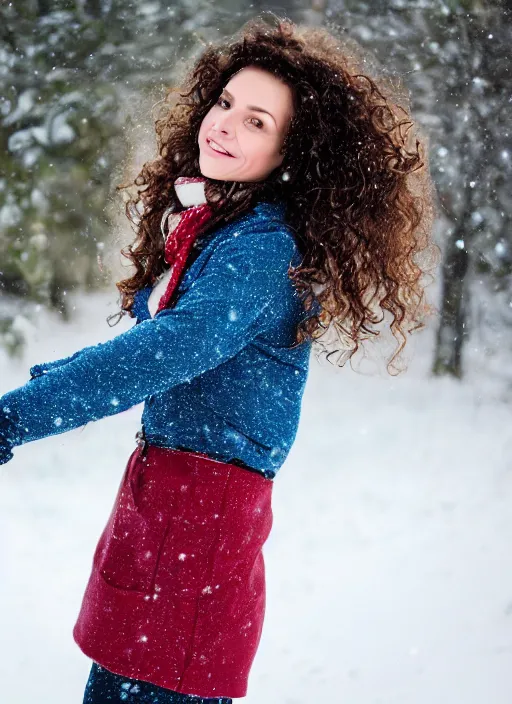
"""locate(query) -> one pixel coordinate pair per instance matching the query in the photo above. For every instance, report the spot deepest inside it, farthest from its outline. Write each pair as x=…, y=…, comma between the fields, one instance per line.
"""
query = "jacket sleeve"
x=212, y=321
x=140, y=301
x=45, y=367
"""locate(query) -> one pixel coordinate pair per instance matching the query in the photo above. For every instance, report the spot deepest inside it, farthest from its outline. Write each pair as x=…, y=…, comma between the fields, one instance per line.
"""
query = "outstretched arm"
x=45, y=367
x=212, y=321
x=139, y=309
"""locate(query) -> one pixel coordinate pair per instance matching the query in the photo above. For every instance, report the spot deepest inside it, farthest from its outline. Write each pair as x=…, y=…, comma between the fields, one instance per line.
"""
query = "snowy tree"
x=58, y=133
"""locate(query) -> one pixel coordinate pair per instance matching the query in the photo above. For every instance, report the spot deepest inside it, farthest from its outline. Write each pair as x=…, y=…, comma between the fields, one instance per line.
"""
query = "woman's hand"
x=9, y=433
x=5, y=451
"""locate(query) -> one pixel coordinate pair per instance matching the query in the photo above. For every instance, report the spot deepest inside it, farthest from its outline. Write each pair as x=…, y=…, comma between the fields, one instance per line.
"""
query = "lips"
x=210, y=148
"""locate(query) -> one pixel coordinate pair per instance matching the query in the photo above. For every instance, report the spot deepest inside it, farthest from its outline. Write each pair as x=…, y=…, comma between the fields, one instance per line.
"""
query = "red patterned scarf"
x=181, y=229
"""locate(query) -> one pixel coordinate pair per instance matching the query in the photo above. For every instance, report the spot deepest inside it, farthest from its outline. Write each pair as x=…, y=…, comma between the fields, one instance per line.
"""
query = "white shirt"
x=158, y=291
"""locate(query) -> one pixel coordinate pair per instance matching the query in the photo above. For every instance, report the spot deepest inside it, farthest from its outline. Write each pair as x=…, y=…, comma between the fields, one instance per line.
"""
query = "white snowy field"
x=389, y=572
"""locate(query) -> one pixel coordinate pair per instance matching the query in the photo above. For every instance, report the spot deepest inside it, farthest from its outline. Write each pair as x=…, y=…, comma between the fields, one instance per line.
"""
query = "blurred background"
x=389, y=579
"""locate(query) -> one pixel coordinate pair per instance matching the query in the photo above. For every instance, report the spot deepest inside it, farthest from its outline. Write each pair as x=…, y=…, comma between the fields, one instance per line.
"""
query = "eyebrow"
x=251, y=107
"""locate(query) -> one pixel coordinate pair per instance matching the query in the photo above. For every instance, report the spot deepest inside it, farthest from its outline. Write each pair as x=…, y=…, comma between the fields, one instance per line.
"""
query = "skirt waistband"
x=158, y=451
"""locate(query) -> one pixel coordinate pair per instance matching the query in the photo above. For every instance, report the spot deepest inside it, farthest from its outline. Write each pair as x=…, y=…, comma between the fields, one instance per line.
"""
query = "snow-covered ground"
x=389, y=577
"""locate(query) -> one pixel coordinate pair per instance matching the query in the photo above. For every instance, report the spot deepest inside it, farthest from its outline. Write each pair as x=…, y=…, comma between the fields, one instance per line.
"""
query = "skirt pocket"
x=129, y=549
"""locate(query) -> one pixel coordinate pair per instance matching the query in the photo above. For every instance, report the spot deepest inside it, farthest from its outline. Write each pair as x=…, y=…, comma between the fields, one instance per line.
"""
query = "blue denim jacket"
x=216, y=372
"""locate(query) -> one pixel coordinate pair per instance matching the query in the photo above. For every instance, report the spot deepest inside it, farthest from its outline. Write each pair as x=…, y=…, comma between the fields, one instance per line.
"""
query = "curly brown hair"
x=359, y=200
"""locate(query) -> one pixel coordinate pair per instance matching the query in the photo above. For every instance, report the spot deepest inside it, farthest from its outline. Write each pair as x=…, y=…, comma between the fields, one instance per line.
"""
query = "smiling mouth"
x=217, y=151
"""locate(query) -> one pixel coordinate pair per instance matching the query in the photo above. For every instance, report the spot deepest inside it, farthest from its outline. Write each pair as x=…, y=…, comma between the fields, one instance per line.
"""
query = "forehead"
x=255, y=86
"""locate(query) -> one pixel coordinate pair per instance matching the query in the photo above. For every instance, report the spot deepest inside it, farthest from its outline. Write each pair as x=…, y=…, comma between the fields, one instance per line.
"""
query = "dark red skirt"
x=176, y=596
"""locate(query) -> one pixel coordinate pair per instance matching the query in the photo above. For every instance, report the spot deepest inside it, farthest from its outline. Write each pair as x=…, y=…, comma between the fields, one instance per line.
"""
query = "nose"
x=223, y=123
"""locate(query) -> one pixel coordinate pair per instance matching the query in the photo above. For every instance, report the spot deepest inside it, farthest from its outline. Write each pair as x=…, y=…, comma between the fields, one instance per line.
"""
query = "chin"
x=212, y=172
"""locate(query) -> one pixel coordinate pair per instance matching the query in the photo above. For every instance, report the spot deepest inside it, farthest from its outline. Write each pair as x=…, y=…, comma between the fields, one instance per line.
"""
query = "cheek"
x=260, y=152
x=252, y=145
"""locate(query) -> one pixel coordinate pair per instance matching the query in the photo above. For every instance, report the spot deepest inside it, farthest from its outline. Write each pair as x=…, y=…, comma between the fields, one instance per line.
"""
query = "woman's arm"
x=45, y=367
x=211, y=322
x=139, y=309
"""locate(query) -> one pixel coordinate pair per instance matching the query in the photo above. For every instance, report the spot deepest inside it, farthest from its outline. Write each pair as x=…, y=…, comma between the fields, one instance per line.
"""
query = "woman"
x=293, y=211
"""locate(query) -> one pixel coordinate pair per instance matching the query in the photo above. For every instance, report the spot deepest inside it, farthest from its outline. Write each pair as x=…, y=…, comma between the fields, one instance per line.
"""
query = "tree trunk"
x=453, y=330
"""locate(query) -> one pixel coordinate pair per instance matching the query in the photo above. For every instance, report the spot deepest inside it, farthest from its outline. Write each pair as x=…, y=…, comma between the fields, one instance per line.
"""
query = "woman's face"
x=250, y=121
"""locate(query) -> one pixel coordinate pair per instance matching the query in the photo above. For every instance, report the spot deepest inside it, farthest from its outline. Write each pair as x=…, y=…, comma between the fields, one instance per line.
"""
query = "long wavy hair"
x=359, y=200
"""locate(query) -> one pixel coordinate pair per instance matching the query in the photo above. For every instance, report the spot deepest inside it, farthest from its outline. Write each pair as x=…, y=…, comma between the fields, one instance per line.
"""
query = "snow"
x=26, y=101
x=388, y=570
x=10, y=213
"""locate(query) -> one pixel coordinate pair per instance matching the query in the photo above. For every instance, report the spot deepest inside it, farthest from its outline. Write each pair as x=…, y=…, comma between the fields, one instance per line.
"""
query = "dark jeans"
x=104, y=687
